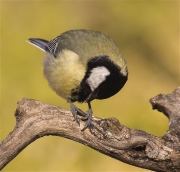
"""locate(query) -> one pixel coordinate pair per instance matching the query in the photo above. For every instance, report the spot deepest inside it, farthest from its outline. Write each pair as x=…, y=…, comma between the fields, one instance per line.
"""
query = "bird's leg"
x=74, y=111
x=88, y=117
x=89, y=111
x=85, y=115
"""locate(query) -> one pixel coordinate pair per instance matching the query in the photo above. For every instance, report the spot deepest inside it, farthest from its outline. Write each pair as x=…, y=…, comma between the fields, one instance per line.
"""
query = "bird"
x=82, y=65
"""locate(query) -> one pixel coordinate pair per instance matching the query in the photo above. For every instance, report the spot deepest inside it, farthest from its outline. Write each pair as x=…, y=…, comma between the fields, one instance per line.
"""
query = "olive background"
x=147, y=34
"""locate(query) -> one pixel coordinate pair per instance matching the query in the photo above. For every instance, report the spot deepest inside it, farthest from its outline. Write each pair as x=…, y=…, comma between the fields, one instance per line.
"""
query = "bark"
x=35, y=119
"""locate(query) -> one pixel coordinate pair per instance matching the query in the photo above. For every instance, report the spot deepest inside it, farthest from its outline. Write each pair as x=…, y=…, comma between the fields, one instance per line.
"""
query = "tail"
x=39, y=43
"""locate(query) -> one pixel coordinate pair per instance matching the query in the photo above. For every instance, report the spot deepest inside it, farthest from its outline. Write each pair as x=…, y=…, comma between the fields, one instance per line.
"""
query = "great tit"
x=83, y=65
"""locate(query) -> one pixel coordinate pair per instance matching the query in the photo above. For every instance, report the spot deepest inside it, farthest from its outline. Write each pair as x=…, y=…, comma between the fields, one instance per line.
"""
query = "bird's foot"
x=86, y=116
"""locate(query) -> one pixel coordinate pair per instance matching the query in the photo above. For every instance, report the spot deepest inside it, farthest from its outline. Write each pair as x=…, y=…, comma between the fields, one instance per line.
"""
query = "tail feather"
x=39, y=43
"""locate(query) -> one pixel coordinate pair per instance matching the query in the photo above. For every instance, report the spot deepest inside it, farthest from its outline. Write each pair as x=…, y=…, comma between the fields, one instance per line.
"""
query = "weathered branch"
x=35, y=119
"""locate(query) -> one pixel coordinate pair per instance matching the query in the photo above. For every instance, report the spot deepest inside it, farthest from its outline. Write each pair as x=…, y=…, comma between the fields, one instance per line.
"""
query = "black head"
x=102, y=80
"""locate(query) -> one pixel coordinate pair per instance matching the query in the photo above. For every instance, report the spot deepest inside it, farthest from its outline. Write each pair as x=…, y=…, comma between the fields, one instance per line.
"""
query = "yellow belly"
x=63, y=73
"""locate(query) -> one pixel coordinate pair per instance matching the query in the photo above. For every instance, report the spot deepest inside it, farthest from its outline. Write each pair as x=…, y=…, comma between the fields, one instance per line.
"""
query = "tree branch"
x=35, y=119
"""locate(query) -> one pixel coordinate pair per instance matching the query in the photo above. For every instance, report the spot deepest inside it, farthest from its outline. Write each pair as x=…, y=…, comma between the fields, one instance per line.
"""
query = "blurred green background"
x=147, y=34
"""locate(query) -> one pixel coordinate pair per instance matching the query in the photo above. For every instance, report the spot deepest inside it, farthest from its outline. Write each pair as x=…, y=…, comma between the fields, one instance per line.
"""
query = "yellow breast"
x=63, y=73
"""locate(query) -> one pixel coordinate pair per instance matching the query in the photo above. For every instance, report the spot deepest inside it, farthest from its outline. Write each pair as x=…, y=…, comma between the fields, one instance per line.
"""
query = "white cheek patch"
x=97, y=76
